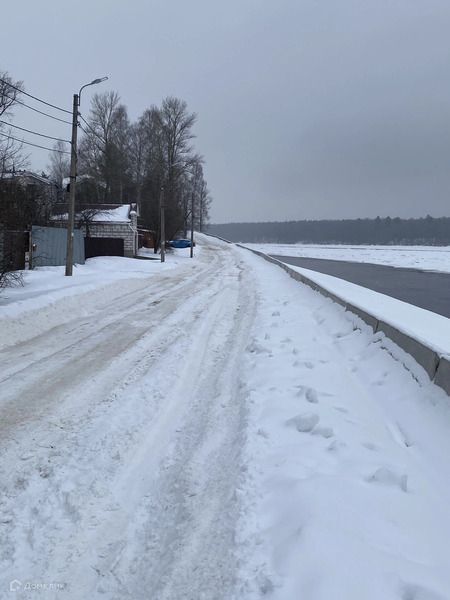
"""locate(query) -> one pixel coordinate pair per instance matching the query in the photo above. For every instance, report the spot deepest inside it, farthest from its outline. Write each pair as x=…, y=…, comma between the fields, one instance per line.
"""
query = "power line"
x=96, y=144
x=34, y=97
x=49, y=137
x=38, y=111
x=91, y=129
x=10, y=137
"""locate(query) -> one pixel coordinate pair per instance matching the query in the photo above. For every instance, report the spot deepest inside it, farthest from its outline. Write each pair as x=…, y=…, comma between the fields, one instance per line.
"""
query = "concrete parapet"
x=437, y=367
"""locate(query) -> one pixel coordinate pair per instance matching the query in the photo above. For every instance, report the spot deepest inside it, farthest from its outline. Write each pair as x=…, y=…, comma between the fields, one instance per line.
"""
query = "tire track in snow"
x=95, y=495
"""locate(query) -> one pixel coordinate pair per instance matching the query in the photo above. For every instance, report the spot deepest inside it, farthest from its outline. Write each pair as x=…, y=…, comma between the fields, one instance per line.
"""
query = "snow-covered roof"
x=115, y=215
x=80, y=178
x=112, y=215
x=27, y=175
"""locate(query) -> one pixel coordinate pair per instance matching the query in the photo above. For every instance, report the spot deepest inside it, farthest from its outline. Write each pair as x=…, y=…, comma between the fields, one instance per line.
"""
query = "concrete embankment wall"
x=436, y=366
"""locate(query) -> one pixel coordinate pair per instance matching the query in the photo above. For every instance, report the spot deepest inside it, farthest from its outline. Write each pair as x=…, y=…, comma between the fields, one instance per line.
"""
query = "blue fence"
x=50, y=246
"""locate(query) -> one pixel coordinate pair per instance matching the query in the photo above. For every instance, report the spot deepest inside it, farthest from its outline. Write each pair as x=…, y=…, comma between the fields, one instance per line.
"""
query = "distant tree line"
x=425, y=231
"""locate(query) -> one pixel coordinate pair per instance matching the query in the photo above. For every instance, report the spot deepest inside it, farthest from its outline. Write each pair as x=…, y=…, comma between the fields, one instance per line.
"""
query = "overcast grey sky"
x=306, y=108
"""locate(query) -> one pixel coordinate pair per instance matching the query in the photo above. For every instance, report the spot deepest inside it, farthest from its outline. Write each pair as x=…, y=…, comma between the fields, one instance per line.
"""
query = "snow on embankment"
x=419, y=333
x=348, y=480
x=427, y=327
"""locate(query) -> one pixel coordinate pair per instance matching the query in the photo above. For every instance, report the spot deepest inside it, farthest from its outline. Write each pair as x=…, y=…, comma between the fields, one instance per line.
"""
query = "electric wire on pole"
x=10, y=137
x=34, y=97
x=49, y=137
x=16, y=101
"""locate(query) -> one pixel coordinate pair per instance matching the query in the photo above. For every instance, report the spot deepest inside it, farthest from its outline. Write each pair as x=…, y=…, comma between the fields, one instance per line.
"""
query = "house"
x=111, y=231
x=108, y=229
x=26, y=198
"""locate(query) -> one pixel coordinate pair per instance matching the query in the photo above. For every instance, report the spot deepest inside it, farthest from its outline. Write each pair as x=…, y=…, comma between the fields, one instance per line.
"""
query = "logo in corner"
x=15, y=585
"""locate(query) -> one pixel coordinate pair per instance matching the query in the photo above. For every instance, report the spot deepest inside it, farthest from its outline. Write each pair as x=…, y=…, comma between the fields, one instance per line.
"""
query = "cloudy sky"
x=306, y=108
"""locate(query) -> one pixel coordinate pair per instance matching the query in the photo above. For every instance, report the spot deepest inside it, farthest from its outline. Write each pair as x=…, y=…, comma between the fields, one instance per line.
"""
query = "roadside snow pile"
x=428, y=258
x=347, y=482
x=48, y=298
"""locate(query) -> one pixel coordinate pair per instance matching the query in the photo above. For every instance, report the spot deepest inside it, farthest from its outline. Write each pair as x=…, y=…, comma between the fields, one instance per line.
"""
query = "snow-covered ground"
x=429, y=258
x=38, y=305
x=218, y=430
x=349, y=480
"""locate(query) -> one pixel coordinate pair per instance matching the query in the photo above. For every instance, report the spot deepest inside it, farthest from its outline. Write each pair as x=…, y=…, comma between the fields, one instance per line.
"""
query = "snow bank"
x=48, y=298
x=347, y=482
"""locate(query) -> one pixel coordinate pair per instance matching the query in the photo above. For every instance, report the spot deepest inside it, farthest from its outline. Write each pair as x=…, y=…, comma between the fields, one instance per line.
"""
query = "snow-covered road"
x=120, y=436
x=220, y=431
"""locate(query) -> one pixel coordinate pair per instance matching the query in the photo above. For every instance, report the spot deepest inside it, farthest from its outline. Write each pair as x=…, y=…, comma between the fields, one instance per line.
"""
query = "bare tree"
x=104, y=149
x=59, y=166
x=132, y=162
x=176, y=126
x=8, y=92
x=9, y=278
x=11, y=155
x=205, y=201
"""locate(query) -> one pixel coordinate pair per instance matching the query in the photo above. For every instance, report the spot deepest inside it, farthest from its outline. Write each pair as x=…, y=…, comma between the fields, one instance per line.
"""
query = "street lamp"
x=73, y=174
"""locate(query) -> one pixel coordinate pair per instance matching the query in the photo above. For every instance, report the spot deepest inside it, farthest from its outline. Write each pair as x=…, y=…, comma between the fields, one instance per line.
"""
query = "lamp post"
x=73, y=175
x=162, y=227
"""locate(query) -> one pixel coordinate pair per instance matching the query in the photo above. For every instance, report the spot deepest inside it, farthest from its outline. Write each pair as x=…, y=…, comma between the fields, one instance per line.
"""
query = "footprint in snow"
x=411, y=591
x=276, y=313
x=311, y=396
x=307, y=364
x=385, y=476
x=255, y=348
x=335, y=446
x=370, y=446
x=325, y=432
x=341, y=409
x=304, y=423
x=308, y=393
x=265, y=585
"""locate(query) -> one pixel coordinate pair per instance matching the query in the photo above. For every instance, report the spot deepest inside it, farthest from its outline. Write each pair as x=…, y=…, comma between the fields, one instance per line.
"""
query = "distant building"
x=26, y=198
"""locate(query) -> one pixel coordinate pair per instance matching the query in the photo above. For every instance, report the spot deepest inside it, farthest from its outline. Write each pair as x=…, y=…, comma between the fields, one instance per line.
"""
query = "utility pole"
x=73, y=175
x=163, y=225
x=192, y=223
x=200, y=226
x=73, y=179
